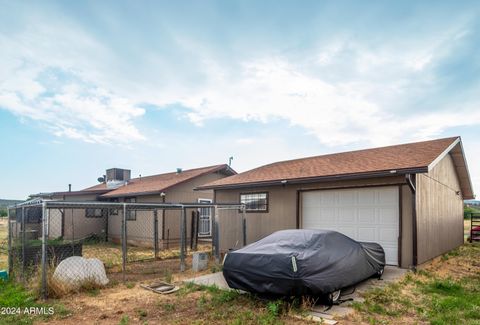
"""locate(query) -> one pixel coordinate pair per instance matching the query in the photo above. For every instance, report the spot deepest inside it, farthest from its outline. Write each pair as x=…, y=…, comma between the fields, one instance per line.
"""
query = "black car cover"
x=302, y=262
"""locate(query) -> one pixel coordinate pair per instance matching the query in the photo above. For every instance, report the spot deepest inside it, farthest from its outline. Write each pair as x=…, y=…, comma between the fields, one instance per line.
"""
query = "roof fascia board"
x=317, y=179
x=458, y=141
x=469, y=179
x=444, y=154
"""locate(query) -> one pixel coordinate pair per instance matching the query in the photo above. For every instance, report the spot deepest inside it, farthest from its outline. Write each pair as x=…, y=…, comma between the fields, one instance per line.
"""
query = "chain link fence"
x=59, y=246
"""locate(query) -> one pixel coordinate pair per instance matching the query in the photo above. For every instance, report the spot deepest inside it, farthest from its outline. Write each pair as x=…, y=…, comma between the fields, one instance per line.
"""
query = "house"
x=118, y=186
x=408, y=197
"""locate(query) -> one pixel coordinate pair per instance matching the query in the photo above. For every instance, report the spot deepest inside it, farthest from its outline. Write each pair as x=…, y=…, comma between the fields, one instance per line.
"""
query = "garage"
x=406, y=197
x=369, y=214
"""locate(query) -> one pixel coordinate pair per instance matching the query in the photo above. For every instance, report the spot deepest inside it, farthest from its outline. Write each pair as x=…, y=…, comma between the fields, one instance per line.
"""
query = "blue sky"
x=151, y=85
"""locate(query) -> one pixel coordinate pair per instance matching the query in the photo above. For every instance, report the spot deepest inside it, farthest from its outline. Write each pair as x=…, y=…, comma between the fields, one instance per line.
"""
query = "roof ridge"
x=183, y=171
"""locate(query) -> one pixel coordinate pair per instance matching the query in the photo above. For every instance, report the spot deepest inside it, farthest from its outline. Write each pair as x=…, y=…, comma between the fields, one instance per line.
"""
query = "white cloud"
x=47, y=78
x=343, y=93
x=336, y=113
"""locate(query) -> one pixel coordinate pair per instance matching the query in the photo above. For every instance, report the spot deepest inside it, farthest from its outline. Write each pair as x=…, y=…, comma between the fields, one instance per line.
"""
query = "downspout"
x=411, y=185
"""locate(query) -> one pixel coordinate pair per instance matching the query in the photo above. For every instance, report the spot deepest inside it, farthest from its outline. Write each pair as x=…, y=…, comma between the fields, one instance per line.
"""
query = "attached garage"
x=365, y=214
x=407, y=197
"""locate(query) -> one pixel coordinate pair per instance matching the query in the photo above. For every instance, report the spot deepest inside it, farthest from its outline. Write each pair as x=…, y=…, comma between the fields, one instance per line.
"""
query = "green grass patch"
x=20, y=307
x=426, y=296
x=452, y=302
x=125, y=320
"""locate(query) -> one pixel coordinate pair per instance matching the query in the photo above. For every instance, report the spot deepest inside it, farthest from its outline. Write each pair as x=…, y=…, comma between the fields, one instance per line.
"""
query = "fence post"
x=196, y=222
x=217, y=242
x=182, y=239
x=192, y=229
x=244, y=227
x=22, y=228
x=44, y=249
x=216, y=233
x=155, y=232
x=10, y=250
x=124, y=241
x=213, y=230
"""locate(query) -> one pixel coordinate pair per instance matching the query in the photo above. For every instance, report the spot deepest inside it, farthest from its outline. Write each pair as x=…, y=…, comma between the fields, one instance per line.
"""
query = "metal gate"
x=205, y=220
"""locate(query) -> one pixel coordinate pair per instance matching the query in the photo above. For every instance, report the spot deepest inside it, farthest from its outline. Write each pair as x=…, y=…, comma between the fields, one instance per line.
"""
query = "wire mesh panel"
x=141, y=235
x=65, y=246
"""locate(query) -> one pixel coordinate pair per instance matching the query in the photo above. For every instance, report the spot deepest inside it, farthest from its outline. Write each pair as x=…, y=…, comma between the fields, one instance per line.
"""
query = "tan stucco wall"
x=76, y=225
x=439, y=211
x=282, y=212
x=141, y=230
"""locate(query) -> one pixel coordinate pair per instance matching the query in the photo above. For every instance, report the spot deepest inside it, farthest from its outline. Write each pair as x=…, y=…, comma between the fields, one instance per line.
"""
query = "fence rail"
x=43, y=234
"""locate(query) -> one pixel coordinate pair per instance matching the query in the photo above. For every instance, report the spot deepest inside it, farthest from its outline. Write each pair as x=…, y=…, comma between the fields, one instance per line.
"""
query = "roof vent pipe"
x=69, y=187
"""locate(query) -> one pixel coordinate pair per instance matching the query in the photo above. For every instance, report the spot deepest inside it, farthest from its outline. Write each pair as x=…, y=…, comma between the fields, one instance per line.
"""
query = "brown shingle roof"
x=157, y=183
x=399, y=157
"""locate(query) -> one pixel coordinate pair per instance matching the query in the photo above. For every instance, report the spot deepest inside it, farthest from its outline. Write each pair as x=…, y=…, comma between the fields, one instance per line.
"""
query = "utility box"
x=200, y=261
x=3, y=275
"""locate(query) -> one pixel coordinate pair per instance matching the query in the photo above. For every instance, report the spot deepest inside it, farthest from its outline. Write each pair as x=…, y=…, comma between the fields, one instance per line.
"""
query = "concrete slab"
x=211, y=279
x=390, y=274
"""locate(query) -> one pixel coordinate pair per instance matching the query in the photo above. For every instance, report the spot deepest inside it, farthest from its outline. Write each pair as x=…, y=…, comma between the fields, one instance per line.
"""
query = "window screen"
x=255, y=201
x=131, y=214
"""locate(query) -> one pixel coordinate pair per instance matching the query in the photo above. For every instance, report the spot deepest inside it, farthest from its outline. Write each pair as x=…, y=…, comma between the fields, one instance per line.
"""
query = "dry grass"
x=111, y=254
x=130, y=304
x=466, y=228
x=3, y=243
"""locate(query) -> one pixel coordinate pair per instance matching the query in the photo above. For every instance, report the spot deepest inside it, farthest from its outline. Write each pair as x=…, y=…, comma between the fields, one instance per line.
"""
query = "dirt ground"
x=129, y=303
x=110, y=305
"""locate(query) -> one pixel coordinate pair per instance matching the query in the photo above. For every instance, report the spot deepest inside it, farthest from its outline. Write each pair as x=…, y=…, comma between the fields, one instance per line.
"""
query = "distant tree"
x=468, y=210
x=3, y=212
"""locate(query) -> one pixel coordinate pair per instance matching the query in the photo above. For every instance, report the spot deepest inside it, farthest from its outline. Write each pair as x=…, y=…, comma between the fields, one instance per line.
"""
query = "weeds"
x=229, y=306
x=125, y=320
x=167, y=275
x=216, y=268
x=168, y=307
x=426, y=296
x=142, y=313
x=13, y=295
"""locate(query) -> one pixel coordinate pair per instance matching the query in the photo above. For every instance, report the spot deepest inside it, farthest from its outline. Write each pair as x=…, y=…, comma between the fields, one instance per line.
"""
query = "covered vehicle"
x=302, y=262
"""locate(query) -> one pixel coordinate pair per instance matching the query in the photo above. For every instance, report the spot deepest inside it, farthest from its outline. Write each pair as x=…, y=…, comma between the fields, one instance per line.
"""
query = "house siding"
x=141, y=231
x=75, y=224
x=406, y=260
x=282, y=212
x=439, y=211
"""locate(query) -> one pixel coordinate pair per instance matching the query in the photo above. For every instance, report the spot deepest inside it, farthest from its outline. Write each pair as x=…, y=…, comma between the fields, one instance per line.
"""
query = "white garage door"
x=364, y=214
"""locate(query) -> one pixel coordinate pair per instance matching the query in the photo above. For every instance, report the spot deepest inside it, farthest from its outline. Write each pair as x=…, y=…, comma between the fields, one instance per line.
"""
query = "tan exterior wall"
x=141, y=231
x=406, y=257
x=439, y=211
x=76, y=225
x=282, y=212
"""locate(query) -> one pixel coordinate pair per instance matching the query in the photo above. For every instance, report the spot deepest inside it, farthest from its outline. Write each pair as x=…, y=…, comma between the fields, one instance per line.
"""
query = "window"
x=95, y=213
x=114, y=211
x=255, y=202
x=131, y=214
